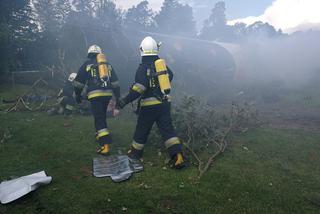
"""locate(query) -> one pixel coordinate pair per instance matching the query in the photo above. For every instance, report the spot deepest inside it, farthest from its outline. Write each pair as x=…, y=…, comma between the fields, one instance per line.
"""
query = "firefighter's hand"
x=78, y=99
x=116, y=112
x=121, y=103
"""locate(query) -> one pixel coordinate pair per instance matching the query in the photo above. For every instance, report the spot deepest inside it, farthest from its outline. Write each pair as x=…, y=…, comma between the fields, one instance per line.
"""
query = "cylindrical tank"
x=163, y=76
x=102, y=66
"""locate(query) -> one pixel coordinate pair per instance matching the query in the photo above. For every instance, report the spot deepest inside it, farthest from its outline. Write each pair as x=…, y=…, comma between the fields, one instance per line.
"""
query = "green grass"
x=9, y=92
x=307, y=98
x=278, y=173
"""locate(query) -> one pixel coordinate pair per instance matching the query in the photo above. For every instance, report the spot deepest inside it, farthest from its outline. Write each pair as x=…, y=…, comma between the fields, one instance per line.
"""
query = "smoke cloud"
x=289, y=15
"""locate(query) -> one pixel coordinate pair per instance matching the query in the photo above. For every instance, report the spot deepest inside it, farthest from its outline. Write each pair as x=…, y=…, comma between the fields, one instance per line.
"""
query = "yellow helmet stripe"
x=150, y=52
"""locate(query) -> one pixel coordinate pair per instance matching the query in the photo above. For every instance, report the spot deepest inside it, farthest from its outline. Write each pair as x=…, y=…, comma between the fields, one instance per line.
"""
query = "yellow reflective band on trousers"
x=102, y=133
x=171, y=142
x=137, y=146
x=138, y=88
x=150, y=101
x=69, y=107
x=99, y=93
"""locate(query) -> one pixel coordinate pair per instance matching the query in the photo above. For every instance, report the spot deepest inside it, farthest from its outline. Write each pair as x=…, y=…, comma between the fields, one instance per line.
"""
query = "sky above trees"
x=236, y=8
x=289, y=15
x=57, y=32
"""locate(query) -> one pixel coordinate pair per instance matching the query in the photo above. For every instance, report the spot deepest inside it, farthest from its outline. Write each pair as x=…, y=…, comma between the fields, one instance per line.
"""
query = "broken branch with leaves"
x=204, y=130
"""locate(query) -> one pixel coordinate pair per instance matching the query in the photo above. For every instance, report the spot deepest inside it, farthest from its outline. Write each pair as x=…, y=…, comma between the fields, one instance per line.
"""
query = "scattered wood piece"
x=21, y=99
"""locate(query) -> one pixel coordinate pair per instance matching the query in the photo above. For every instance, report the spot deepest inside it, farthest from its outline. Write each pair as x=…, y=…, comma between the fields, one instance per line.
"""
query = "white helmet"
x=94, y=49
x=72, y=76
x=149, y=47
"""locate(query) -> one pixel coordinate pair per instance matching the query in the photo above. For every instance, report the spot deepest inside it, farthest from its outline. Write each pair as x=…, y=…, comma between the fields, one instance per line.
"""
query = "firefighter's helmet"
x=149, y=47
x=72, y=76
x=94, y=49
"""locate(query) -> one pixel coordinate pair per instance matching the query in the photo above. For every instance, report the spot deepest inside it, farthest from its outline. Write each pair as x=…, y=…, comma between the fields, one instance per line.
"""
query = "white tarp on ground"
x=16, y=188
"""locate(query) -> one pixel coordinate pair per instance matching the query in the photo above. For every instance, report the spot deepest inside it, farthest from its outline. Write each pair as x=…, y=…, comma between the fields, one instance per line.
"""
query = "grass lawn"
x=263, y=171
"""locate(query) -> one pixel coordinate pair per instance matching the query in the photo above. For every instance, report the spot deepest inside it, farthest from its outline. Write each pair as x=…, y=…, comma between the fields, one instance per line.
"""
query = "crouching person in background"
x=66, y=101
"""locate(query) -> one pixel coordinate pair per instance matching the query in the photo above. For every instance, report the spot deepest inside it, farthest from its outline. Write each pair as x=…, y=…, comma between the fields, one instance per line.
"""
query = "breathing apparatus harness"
x=152, y=77
x=97, y=80
x=100, y=71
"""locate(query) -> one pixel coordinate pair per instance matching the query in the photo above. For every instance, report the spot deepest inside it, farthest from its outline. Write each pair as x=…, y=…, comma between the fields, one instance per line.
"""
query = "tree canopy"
x=37, y=34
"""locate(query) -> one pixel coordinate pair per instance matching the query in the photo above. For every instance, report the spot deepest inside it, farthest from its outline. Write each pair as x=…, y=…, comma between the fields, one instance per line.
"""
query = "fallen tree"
x=205, y=130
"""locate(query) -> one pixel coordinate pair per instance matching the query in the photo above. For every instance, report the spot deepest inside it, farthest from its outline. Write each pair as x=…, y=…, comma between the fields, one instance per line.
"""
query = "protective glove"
x=121, y=103
x=78, y=99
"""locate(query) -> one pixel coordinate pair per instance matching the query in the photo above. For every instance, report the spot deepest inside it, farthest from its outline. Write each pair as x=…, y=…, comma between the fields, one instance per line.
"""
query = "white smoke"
x=289, y=15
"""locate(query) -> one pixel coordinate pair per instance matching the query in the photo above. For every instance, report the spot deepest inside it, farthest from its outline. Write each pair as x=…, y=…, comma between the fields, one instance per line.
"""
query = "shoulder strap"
x=151, y=75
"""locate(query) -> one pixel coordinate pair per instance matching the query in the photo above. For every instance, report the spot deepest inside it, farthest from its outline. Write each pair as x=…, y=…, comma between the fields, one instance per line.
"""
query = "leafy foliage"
x=197, y=122
x=51, y=14
x=54, y=35
x=204, y=130
x=139, y=17
x=215, y=26
x=17, y=32
x=175, y=18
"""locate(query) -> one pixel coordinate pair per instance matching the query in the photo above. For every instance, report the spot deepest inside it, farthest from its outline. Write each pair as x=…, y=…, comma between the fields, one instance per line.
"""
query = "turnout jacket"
x=146, y=84
x=89, y=74
x=67, y=89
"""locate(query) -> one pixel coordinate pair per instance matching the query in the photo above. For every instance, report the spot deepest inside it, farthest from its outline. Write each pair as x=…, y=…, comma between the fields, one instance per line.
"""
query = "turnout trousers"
x=99, y=112
x=68, y=105
x=159, y=114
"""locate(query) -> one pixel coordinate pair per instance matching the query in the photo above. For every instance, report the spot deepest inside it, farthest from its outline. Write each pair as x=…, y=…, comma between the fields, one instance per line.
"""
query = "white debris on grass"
x=16, y=188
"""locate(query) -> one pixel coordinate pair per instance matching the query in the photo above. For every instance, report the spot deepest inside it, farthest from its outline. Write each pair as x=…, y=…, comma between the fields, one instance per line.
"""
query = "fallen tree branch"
x=205, y=131
x=221, y=145
x=194, y=155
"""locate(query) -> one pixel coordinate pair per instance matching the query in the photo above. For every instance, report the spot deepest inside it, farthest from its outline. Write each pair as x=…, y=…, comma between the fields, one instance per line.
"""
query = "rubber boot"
x=177, y=161
x=104, y=150
x=134, y=153
x=134, y=157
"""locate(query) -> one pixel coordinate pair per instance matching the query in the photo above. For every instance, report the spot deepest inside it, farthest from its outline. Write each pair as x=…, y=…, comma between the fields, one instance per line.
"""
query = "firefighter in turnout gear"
x=66, y=102
x=102, y=83
x=152, y=86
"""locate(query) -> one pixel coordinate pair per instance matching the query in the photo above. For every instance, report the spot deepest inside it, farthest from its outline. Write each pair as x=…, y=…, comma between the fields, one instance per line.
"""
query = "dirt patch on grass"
x=86, y=171
x=290, y=117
